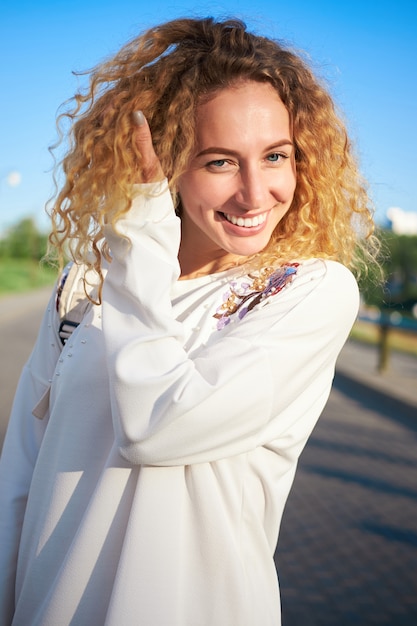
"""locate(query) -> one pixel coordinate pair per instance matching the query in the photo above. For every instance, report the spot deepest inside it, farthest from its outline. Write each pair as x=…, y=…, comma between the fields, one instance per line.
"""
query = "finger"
x=151, y=167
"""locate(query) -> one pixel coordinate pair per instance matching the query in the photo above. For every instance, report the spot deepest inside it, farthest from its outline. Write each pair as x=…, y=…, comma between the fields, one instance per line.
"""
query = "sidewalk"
x=358, y=361
x=347, y=554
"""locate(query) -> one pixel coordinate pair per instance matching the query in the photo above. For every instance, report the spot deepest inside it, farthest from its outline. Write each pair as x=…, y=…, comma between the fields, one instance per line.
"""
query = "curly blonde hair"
x=167, y=72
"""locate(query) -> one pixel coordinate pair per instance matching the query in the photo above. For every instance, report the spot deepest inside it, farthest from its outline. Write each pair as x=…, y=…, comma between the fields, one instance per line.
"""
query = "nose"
x=253, y=188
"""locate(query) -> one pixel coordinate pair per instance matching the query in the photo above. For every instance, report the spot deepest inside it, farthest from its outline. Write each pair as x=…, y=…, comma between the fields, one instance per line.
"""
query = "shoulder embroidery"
x=245, y=295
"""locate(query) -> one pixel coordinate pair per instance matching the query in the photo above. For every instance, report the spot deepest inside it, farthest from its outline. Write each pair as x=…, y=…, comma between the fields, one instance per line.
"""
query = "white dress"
x=150, y=487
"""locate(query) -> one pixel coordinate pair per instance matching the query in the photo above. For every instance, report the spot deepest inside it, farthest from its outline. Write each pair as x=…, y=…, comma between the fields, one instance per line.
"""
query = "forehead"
x=248, y=109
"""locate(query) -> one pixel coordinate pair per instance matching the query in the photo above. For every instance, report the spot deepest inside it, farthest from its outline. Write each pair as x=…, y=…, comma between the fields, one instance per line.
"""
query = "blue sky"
x=366, y=50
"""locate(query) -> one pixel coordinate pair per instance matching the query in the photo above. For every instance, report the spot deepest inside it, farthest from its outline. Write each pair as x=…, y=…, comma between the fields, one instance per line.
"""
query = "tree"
x=398, y=292
x=24, y=241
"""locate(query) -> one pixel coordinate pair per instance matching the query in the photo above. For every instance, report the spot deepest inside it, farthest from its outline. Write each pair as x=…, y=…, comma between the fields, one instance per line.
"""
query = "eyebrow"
x=220, y=150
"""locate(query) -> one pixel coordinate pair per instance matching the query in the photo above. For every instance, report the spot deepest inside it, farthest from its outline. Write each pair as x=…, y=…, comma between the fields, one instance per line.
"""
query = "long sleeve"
x=20, y=449
x=264, y=379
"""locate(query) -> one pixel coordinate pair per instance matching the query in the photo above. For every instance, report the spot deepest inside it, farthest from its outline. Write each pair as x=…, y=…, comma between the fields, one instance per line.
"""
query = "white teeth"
x=247, y=222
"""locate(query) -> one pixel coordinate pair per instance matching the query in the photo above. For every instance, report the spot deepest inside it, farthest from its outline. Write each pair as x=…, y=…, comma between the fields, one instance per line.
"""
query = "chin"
x=248, y=250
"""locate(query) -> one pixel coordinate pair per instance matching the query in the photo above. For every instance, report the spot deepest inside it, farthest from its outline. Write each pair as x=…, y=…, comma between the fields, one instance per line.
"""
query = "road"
x=348, y=548
x=20, y=317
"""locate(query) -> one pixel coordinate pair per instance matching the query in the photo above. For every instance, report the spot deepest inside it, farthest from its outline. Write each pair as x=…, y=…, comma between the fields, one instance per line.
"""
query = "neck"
x=194, y=264
x=197, y=270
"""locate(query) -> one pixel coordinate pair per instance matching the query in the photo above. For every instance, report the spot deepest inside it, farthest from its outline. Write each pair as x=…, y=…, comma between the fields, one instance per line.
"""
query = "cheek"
x=287, y=189
x=292, y=188
x=187, y=195
x=293, y=177
x=203, y=193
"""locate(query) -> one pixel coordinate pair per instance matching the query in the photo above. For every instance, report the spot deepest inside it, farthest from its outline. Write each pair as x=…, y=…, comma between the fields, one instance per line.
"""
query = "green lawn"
x=401, y=340
x=18, y=275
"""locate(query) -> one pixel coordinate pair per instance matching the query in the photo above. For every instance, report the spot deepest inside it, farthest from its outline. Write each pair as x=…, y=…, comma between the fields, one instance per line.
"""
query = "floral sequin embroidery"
x=243, y=296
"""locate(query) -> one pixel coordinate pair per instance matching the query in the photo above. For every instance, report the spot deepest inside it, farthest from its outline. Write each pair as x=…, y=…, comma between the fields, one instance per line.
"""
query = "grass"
x=399, y=340
x=18, y=275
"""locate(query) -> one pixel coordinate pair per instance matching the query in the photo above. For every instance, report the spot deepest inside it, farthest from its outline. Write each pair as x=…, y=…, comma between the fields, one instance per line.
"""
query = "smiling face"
x=241, y=179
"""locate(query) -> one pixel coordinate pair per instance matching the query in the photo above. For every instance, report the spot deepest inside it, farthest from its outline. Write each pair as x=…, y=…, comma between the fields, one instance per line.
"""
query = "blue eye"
x=275, y=157
x=218, y=162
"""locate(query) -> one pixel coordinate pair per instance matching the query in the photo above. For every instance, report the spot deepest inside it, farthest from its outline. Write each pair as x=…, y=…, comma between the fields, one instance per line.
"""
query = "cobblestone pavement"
x=348, y=547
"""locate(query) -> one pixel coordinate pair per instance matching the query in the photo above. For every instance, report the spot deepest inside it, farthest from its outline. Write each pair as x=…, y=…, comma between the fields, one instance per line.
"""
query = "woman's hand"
x=152, y=171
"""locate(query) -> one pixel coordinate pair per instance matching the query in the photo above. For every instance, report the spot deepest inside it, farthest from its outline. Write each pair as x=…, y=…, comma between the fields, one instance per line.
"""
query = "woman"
x=209, y=172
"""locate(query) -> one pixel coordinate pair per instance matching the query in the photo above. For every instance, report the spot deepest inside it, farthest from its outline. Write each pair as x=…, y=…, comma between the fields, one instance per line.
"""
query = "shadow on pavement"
x=375, y=399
